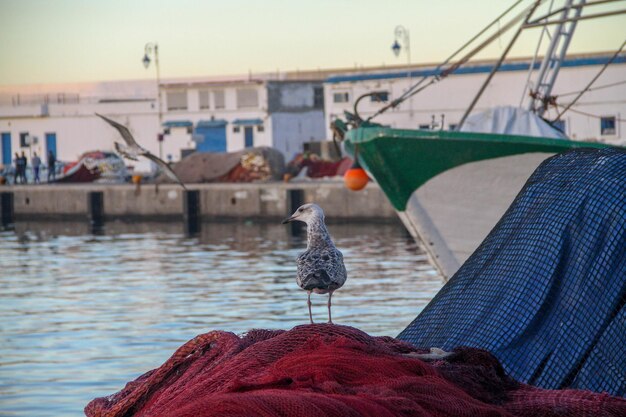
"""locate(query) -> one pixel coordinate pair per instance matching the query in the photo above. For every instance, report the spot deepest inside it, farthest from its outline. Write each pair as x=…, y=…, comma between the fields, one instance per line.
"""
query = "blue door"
x=248, y=132
x=6, y=148
x=51, y=143
x=214, y=137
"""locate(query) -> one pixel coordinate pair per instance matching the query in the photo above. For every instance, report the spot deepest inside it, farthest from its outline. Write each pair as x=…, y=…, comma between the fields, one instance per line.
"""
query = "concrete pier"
x=213, y=202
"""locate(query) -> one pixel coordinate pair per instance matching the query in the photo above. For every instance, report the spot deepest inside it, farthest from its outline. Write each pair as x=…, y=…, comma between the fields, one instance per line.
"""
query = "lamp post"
x=402, y=34
x=150, y=49
x=402, y=39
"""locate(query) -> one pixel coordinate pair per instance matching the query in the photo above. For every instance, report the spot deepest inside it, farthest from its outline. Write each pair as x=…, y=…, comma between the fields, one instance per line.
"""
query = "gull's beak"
x=288, y=220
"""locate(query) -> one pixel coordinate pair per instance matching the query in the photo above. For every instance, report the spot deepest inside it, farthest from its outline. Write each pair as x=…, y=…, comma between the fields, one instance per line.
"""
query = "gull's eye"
x=300, y=210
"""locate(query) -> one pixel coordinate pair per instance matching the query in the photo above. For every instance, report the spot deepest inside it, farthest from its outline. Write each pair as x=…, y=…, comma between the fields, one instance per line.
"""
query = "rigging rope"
x=617, y=119
x=442, y=74
x=600, y=87
x=558, y=116
x=527, y=84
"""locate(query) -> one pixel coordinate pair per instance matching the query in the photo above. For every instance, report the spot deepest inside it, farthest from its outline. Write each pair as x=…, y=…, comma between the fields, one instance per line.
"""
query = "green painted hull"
x=401, y=161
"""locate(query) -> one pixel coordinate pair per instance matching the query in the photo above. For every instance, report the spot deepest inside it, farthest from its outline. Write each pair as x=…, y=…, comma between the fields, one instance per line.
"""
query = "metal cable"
x=617, y=119
x=600, y=87
x=442, y=74
x=591, y=82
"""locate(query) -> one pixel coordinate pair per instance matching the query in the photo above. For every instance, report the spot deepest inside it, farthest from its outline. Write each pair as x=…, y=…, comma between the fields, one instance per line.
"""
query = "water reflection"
x=82, y=314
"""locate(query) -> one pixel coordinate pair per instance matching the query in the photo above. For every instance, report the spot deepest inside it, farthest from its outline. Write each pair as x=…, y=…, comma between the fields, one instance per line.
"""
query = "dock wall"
x=219, y=202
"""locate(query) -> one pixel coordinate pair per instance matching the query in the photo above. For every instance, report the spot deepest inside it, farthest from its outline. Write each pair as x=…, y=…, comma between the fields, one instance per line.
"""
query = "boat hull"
x=451, y=188
x=453, y=212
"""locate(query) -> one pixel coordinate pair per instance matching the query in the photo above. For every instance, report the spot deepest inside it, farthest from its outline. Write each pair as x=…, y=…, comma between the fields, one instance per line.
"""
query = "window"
x=607, y=126
x=176, y=100
x=424, y=126
x=236, y=129
x=379, y=96
x=24, y=141
x=218, y=99
x=203, y=99
x=341, y=97
x=260, y=128
x=247, y=97
x=318, y=97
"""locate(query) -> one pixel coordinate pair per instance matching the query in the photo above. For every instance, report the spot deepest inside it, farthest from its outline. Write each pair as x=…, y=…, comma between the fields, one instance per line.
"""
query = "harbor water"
x=84, y=313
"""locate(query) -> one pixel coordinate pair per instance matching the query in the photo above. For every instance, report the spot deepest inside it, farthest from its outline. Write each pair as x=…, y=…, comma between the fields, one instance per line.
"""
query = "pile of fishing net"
x=313, y=166
x=332, y=370
x=251, y=164
x=546, y=290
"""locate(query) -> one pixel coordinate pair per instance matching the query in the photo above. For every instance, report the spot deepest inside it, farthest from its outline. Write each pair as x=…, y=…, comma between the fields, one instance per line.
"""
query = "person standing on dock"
x=51, y=166
x=24, y=167
x=18, y=173
x=36, y=161
x=20, y=168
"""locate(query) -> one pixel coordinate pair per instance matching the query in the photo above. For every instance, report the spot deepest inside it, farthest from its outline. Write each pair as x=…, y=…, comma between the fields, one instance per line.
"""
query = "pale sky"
x=52, y=41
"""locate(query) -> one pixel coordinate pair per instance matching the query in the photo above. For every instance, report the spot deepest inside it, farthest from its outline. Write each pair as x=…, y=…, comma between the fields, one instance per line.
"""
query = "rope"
x=527, y=84
x=558, y=116
x=593, y=89
x=442, y=74
x=617, y=119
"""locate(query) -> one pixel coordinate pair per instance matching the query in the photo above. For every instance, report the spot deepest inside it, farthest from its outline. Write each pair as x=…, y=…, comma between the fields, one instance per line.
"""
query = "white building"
x=230, y=115
x=285, y=110
x=595, y=117
x=208, y=115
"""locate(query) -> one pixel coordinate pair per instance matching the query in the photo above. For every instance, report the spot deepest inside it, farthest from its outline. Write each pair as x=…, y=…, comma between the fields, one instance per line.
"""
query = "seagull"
x=132, y=150
x=320, y=267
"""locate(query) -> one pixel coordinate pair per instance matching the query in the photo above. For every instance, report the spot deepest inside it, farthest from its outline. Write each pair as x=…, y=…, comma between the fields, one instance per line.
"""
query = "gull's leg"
x=330, y=319
x=309, y=302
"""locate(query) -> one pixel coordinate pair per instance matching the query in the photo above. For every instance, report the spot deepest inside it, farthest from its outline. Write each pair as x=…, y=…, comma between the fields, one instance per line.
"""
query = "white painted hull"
x=453, y=212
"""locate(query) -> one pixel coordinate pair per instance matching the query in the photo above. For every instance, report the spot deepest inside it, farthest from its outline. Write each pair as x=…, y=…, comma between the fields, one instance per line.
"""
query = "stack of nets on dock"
x=546, y=291
x=331, y=370
x=316, y=167
x=252, y=164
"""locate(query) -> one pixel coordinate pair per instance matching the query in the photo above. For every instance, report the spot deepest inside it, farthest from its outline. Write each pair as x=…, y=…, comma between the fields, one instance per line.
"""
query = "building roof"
x=135, y=90
x=209, y=83
x=485, y=67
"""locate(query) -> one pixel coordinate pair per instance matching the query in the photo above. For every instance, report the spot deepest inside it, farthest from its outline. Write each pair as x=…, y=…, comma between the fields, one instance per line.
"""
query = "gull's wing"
x=128, y=137
x=166, y=168
x=122, y=151
x=321, y=267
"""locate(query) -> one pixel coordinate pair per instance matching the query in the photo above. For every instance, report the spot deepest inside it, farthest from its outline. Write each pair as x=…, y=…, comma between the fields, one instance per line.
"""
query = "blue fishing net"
x=546, y=290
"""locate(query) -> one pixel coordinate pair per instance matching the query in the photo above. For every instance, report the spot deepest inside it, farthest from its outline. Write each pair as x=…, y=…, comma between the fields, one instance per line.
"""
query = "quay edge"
x=217, y=202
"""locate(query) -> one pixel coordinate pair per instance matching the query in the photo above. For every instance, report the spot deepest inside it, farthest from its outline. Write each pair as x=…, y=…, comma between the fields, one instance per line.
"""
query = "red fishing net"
x=331, y=370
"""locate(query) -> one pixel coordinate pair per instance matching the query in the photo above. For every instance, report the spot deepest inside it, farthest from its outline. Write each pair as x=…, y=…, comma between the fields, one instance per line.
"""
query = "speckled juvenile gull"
x=132, y=150
x=320, y=267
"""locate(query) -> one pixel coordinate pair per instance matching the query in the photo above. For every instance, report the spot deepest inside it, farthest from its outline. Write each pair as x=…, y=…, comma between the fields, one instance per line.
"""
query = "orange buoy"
x=355, y=178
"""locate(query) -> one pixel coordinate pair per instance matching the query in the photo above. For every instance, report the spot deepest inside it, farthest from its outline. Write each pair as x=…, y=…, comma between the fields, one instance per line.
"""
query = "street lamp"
x=150, y=49
x=402, y=34
x=402, y=38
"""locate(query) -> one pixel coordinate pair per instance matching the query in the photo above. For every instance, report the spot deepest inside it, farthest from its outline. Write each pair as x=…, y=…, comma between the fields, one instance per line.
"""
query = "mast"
x=568, y=16
x=499, y=63
x=551, y=64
